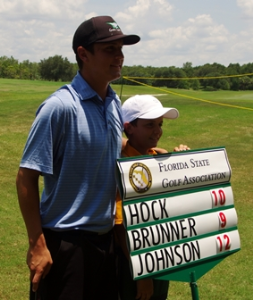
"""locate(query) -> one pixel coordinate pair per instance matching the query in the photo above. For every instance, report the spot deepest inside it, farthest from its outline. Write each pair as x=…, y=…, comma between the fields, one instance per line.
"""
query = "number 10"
x=220, y=199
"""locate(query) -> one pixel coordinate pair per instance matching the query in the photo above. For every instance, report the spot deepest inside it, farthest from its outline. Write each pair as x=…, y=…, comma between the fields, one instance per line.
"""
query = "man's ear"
x=82, y=53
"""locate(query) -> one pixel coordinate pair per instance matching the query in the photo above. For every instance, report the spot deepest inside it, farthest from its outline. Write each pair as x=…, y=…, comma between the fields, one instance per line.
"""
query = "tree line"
x=54, y=68
x=208, y=77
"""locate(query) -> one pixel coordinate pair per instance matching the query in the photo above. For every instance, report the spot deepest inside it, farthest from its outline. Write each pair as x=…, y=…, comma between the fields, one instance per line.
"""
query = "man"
x=73, y=143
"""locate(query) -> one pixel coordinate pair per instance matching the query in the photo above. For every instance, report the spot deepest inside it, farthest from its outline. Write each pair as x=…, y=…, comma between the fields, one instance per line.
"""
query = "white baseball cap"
x=146, y=107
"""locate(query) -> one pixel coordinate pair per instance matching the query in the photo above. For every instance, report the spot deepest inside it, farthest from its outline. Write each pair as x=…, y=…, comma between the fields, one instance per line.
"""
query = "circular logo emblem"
x=140, y=177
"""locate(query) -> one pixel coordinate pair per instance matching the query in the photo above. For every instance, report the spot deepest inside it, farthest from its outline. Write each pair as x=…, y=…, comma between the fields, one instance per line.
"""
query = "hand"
x=39, y=262
x=145, y=289
x=181, y=147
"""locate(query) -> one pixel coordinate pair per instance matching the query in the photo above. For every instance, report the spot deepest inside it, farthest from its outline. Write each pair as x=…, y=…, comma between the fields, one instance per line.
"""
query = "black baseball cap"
x=100, y=30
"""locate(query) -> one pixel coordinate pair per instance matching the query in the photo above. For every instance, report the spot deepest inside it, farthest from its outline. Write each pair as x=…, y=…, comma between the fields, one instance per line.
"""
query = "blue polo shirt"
x=74, y=142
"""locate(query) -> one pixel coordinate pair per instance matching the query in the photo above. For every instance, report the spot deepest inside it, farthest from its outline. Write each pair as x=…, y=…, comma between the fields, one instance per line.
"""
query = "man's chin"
x=116, y=76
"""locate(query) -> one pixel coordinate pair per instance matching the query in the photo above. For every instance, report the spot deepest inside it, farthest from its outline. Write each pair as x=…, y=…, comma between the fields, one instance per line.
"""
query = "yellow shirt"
x=127, y=152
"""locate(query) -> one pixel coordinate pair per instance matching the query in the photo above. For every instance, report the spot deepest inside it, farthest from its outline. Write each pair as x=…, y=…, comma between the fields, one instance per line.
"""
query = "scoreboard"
x=178, y=212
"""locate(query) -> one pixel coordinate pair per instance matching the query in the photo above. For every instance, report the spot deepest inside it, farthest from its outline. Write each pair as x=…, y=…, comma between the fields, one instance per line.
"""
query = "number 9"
x=223, y=220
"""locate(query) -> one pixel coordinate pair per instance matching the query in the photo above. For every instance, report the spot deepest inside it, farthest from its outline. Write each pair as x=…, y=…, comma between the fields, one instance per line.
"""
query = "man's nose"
x=120, y=54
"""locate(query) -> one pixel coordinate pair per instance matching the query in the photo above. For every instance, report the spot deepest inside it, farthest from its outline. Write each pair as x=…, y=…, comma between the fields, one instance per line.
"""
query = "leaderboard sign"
x=179, y=212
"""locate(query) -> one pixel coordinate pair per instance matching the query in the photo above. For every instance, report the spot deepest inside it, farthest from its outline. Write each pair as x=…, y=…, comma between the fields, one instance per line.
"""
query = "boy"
x=143, y=119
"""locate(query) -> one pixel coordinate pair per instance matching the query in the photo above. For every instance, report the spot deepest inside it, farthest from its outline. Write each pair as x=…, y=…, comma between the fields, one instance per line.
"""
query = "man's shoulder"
x=66, y=92
x=60, y=101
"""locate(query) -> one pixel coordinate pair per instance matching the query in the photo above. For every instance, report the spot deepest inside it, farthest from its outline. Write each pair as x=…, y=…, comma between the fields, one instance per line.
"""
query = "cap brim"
x=127, y=39
x=172, y=113
x=168, y=113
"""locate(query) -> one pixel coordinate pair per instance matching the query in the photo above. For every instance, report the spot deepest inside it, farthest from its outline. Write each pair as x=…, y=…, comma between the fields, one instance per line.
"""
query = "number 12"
x=223, y=243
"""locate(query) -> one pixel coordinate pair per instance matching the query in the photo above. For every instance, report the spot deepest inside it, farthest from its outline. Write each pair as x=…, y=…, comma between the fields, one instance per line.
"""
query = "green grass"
x=200, y=125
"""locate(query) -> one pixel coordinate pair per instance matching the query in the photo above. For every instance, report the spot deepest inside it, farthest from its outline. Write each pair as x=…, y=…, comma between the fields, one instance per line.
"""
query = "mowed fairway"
x=207, y=119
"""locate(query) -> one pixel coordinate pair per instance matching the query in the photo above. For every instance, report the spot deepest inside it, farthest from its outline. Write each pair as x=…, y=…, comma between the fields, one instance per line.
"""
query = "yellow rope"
x=186, y=96
x=189, y=78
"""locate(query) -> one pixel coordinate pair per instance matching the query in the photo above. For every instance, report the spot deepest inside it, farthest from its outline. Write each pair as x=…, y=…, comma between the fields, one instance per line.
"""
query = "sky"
x=172, y=32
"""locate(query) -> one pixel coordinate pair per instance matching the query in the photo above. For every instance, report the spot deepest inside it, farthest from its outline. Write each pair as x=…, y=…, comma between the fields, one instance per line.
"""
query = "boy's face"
x=145, y=134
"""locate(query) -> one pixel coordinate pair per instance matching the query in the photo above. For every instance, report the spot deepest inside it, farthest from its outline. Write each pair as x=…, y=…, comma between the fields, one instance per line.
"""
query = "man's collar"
x=85, y=91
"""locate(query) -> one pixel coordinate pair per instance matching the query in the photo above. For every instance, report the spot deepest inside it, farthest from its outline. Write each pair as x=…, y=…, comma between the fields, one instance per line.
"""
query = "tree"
x=234, y=84
x=188, y=69
x=194, y=84
x=56, y=68
x=28, y=70
x=245, y=83
x=247, y=68
x=233, y=69
x=8, y=67
x=223, y=84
